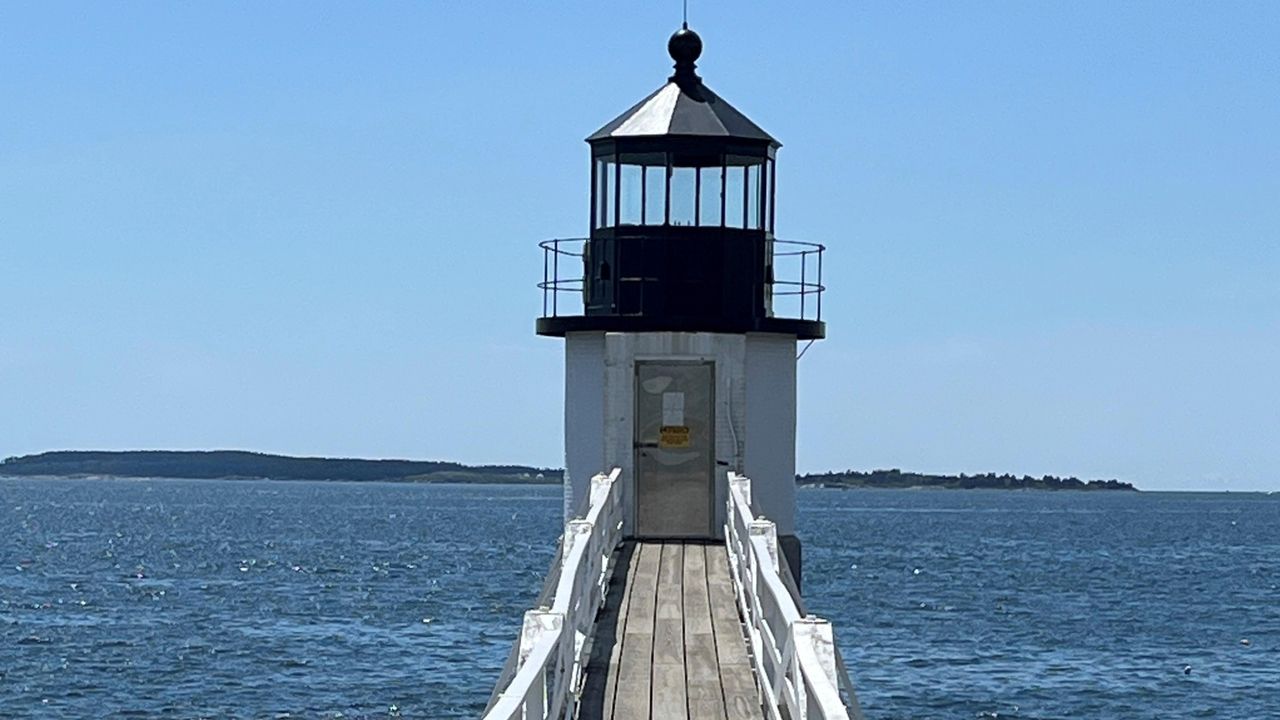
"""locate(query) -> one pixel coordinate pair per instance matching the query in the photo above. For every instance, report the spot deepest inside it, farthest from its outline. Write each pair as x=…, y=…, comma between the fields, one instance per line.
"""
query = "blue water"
x=272, y=599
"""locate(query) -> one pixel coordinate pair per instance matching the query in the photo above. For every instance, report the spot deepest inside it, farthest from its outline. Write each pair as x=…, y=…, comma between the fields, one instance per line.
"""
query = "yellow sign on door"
x=673, y=436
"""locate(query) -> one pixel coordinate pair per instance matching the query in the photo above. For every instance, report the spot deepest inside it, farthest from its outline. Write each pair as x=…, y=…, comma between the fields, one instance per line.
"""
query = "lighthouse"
x=682, y=315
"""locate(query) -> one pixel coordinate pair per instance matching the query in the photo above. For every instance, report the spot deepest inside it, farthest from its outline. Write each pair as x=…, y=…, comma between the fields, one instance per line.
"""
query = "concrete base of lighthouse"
x=637, y=401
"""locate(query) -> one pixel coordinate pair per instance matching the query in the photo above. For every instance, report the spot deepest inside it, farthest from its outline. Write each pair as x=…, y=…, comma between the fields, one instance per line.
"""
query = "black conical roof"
x=684, y=106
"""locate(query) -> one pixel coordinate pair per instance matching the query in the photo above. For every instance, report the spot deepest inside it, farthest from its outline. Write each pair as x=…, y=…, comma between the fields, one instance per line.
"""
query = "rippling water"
x=272, y=599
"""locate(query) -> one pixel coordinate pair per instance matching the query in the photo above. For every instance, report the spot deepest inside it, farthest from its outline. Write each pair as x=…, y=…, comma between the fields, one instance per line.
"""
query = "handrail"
x=794, y=654
x=550, y=654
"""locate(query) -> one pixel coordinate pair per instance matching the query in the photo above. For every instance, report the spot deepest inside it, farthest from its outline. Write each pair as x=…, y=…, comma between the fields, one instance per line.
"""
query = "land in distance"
x=219, y=464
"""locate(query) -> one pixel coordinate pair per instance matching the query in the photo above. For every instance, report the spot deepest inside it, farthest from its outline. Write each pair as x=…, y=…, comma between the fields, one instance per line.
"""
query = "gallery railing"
x=796, y=278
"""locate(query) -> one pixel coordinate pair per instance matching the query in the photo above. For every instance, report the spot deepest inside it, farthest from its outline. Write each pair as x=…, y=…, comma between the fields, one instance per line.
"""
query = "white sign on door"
x=673, y=408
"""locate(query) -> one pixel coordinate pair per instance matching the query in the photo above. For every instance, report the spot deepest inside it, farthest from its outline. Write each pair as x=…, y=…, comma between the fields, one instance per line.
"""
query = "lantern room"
x=682, y=200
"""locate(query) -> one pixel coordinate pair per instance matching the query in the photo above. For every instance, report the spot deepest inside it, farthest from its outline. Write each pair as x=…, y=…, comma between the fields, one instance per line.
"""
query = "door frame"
x=635, y=445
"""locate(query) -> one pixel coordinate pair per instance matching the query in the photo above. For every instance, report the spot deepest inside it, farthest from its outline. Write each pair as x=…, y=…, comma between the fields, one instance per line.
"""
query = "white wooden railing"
x=543, y=676
x=796, y=661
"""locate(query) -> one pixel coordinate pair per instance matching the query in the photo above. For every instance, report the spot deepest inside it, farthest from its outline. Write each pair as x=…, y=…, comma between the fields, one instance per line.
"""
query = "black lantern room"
x=682, y=224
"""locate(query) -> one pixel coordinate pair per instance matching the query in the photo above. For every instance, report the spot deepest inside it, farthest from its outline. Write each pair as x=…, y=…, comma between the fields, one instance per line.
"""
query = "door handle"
x=642, y=446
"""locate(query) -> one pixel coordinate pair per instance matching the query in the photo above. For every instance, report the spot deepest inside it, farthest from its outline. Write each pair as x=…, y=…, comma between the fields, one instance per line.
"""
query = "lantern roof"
x=684, y=106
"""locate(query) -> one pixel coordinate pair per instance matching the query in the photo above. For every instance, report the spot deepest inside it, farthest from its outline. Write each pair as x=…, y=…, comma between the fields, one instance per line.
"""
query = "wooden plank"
x=669, y=701
x=697, y=608
x=635, y=668
x=706, y=701
x=668, y=632
x=702, y=676
x=615, y=654
x=668, y=641
x=669, y=697
x=741, y=699
x=600, y=684
x=724, y=609
x=631, y=700
x=644, y=598
x=670, y=577
x=702, y=671
x=701, y=666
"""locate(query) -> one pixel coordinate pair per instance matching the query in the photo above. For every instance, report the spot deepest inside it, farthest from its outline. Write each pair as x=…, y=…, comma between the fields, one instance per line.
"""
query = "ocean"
x=261, y=599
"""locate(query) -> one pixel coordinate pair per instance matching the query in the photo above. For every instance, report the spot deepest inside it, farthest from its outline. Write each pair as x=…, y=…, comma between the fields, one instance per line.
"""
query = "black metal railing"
x=573, y=252
x=808, y=289
x=796, y=275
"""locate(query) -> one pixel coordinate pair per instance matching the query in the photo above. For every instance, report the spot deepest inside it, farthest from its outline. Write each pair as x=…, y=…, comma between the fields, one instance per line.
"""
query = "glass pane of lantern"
x=599, y=193
x=709, y=196
x=655, y=195
x=773, y=192
x=753, y=197
x=733, y=187
x=610, y=198
x=683, y=195
x=767, y=206
x=629, y=201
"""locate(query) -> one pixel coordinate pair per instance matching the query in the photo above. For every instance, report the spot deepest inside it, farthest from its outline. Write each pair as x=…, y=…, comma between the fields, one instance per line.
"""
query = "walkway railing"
x=796, y=661
x=543, y=676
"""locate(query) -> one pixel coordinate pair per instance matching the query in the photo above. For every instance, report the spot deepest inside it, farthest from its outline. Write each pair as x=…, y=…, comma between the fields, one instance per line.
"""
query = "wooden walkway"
x=669, y=643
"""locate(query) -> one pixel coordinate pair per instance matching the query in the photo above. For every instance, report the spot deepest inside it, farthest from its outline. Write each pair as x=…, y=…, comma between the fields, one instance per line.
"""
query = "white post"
x=818, y=634
x=769, y=532
x=600, y=485
x=575, y=533
x=536, y=624
x=584, y=593
x=602, y=492
x=741, y=484
x=765, y=528
x=813, y=634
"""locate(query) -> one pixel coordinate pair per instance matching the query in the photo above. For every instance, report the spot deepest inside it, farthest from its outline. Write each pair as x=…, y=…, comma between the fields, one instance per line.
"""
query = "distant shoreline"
x=800, y=485
x=242, y=465
x=503, y=480
x=897, y=479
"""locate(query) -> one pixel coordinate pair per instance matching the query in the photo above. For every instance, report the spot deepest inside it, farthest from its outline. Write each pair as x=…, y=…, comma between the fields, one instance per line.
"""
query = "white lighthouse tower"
x=678, y=367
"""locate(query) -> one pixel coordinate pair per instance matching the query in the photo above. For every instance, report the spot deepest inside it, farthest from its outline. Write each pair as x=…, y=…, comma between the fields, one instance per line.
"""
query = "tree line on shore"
x=213, y=464
x=898, y=479
x=241, y=464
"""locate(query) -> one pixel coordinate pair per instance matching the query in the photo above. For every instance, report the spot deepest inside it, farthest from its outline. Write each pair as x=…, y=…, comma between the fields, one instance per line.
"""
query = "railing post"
x=820, y=288
x=536, y=624
x=600, y=486
x=820, y=635
x=742, y=485
x=769, y=531
x=585, y=593
x=765, y=529
x=575, y=533
x=804, y=264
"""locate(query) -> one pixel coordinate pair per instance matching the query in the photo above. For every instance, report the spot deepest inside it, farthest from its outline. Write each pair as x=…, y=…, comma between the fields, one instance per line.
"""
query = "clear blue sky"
x=305, y=227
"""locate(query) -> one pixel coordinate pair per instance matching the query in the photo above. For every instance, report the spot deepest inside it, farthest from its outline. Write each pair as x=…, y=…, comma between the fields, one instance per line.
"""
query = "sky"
x=1053, y=230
